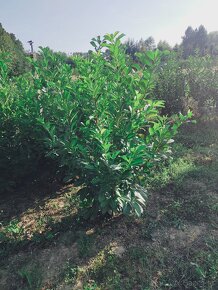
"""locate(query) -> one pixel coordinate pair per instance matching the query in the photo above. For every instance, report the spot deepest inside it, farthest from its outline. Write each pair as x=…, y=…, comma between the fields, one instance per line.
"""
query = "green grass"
x=31, y=278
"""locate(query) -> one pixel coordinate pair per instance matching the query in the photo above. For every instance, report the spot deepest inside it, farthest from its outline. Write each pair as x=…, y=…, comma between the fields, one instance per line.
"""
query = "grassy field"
x=46, y=245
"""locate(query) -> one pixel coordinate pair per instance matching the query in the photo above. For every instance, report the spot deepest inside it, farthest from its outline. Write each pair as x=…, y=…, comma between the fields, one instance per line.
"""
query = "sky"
x=69, y=25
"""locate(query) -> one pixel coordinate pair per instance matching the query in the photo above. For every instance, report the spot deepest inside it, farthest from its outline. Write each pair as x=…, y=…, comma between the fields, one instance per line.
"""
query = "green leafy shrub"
x=170, y=83
x=21, y=137
x=96, y=121
x=113, y=134
x=9, y=43
x=202, y=80
x=187, y=84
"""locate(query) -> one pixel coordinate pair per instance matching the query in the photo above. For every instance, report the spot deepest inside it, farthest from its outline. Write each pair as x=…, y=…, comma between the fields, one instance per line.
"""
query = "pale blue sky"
x=69, y=25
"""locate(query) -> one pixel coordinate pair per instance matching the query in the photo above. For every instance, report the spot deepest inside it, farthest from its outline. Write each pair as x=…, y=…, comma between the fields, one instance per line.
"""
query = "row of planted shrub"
x=188, y=84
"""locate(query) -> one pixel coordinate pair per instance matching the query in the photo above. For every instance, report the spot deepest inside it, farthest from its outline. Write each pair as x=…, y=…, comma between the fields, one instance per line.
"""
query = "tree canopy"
x=10, y=44
x=195, y=41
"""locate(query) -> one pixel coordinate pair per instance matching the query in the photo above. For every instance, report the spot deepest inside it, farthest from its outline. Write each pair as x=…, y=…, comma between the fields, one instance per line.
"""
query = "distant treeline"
x=195, y=41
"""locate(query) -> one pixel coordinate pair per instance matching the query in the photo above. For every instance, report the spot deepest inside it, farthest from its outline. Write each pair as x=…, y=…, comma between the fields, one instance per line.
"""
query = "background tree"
x=188, y=42
x=213, y=43
x=201, y=40
x=9, y=44
x=132, y=47
x=149, y=44
x=194, y=41
x=163, y=45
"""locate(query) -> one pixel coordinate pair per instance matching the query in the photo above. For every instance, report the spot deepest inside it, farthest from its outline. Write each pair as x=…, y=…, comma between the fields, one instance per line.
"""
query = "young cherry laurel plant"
x=106, y=129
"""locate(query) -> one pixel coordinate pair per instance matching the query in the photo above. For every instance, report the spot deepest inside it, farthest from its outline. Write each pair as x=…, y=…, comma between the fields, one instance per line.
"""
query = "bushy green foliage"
x=9, y=43
x=20, y=135
x=202, y=83
x=95, y=121
x=187, y=84
x=170, y=83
